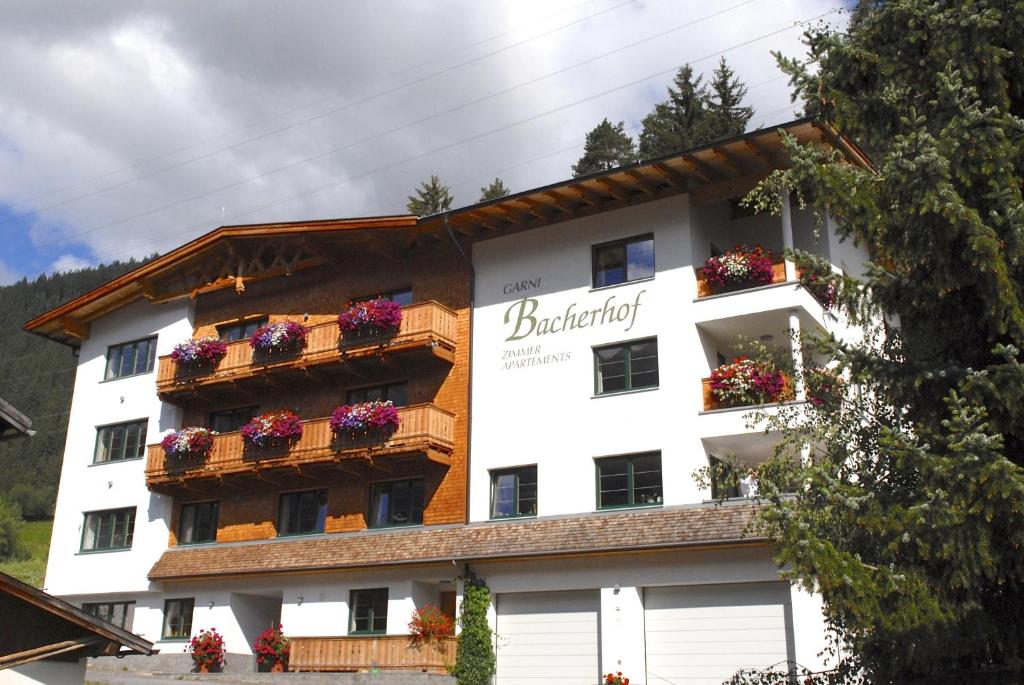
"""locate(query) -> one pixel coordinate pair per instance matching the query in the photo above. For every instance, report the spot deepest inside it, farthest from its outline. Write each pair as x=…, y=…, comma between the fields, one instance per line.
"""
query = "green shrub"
x=474, y=661
x=11, y=524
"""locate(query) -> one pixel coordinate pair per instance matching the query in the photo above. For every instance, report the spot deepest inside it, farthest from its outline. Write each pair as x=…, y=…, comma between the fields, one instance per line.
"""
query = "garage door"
x=548, y=637
x=705, y=633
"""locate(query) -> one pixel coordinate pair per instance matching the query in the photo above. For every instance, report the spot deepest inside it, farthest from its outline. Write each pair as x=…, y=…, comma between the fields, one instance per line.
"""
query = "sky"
x=128, y=128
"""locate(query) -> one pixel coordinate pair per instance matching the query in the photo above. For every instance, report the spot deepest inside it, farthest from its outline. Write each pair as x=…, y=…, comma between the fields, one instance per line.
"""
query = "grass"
x=36, y=536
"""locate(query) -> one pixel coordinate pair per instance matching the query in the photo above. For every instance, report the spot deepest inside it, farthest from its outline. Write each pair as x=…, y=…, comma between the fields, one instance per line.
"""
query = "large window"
x=198, y=523
x=128, y=359
x=302, y=512
x=108, y=530
x=514, y=492
x=392, y=391
x=402, y=296
x=369, y=610
x=629, y=366
x=230, y=420
x=118, y=613
x=242, y=330
x=178, y=618
x=629, y=481
x=623, y=260
x=397, y=503
x=120, y=441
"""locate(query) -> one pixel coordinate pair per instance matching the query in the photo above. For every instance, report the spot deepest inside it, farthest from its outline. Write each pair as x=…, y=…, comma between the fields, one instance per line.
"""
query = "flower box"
x=376, y=420
x=272, y=649
x=279, y=338
x=744, y=381
x=741, y=267
x=193, y=441
x=429, y=624
x=369, y=319
x=821, y=283
x=207, y=650
x=824, y=389
x=272, y=429
x=199, y=354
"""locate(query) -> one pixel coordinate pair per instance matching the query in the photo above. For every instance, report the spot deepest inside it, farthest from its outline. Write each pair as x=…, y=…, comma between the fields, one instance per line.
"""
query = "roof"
x=13, y=423
x=600, y=533
x=40, y=626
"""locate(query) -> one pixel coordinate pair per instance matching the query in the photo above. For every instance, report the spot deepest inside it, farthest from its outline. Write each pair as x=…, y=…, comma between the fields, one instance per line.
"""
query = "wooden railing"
x=712, y=402
x=424, y=428
x=382, y=652
x=423, y=323
x=704, y=288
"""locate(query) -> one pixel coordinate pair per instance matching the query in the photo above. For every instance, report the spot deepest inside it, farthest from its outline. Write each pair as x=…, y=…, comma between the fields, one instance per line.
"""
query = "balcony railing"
x=704, y=288
x=425, y=326
x=424, y=429
x=383, y=652
x=711, y=402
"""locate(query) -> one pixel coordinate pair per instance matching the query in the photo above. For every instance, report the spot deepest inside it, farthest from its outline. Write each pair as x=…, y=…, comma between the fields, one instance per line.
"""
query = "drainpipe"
x=469, y=391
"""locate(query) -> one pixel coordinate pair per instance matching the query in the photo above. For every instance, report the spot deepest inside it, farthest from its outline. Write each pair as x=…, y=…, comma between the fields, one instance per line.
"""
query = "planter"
x=278, y=667
x=278, y=340
x=368, y=320
x=374, y=421
x=367, y=335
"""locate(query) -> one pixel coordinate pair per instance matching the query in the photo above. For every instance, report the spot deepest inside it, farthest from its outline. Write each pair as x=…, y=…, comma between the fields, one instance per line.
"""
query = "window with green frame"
x=396, y=503
x=130, y=358
x=626, y=366
x=393, y=392
x=120, y=441
x=629, y=481
x=108, y=530
x=118, y=613
x=198, y=523
x=178, y=618
x=369, y=611
x=302, y=513
x=622, y=261
x=241, y=330
x=514, y=492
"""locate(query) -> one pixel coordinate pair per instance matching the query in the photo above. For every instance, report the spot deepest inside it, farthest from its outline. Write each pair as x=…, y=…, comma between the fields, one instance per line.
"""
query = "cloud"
x=69, y=262
x=132, y=127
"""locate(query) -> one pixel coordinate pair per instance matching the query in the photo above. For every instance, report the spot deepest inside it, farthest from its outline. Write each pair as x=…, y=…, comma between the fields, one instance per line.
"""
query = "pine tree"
x=909, y=517
x=494, y=190
x=432, y=197
x=607, y=146
x=679, y=122
x=725, y=116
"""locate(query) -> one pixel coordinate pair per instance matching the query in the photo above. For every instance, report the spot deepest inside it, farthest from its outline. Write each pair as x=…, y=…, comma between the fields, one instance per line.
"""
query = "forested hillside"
x=36, y=376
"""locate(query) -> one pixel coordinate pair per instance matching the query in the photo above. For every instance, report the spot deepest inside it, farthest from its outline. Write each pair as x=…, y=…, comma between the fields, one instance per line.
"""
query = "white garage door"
x=548, y=637
x=705, y=633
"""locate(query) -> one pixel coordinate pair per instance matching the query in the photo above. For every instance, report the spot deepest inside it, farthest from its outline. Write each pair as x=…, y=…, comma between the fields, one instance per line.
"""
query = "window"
x=178, y=618
x=369, y=611
x=392, y=391
x=514, y=492
x=107, y=530
x=631, y=481
x=232, y=419
x=242, y=330
x=198, y=523
x=130, y=358
x=397, y=503
x=302, y=512
x=630, y=366
x=120, y=441
x=623, y=261
x=118, y=613
x=402, y=296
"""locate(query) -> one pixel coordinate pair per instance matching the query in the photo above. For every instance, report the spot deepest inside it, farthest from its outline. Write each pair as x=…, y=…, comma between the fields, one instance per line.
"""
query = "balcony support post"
x=799, y=392
x=787, y=233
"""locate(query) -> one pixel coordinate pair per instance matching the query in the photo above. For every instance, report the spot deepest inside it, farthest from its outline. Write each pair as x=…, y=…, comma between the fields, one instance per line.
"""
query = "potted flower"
x=207, y=650
x=616, y=679
x=741, y=267
x=272, y=649
x=272, y=428
x=199, y=354
x=375, y=419
x=370, y=318
x=279, y=338
x=820, y=282
x=429, y=624
x=744, y=381
x=824, y=388
x=193, y=441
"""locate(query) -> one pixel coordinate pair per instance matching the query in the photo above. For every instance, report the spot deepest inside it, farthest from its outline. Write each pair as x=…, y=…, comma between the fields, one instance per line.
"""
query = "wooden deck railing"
x=423, y=323
x=711, y=402
x=778, y=276
x=383, y=652
x=424, y=428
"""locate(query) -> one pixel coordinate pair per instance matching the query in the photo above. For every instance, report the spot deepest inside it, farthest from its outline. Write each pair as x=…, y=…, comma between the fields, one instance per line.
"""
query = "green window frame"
x=623, y=367
x=120, y=441
x=369, y=612
x=197, y=523
x=632, y=480
x=121, y=614
x=402, y=296
x=514, y=492
x=178, y=618
x=389, y=391
x=109, y=530
x=397, y=503
x=130, y=359
x=302, y=513
x=623, y=261
x=230, y=420
x=240, y=330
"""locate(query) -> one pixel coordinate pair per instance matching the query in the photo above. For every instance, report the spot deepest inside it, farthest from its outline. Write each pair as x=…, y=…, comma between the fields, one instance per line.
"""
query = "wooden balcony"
x=711, y=402
x=427, y=328
x=425, y=430
x=704, y=289
x=381, y=652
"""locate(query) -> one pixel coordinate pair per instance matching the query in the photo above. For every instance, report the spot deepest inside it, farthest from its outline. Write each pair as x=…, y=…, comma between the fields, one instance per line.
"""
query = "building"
x=551, y=374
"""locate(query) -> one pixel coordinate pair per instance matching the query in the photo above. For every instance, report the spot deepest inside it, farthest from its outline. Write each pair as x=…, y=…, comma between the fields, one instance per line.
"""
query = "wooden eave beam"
x=75, y=327
x=615, y=189
x=674, y=176
x=643, y=182
x=515, y=216
x=587, y=195
x=50, y=650
x=561, y=202
x=729, y=160
x=762, y=153
x=700, y=169
x=729, y=188
x=538, y=209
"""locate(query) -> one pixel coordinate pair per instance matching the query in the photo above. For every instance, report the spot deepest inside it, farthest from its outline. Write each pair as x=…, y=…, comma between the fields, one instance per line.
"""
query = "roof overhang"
x=13, y=424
